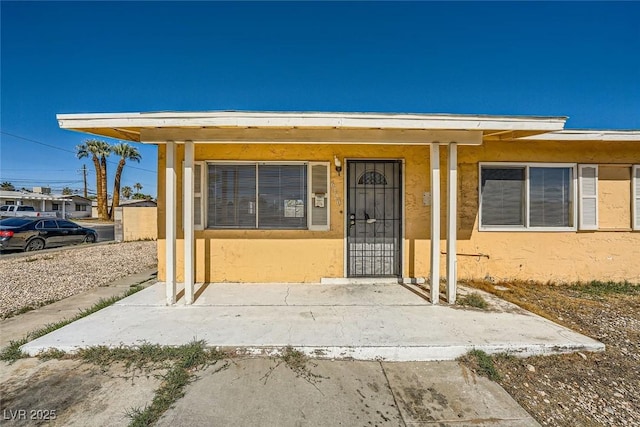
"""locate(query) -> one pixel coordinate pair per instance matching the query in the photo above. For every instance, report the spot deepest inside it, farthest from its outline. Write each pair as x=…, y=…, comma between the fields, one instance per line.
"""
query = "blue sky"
x=575, y=59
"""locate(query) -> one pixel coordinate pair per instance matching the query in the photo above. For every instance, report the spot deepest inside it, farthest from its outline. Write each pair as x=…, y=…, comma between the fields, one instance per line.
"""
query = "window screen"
x=282, y=194
x=502, y=192
x=232, y=196
x=550, y=203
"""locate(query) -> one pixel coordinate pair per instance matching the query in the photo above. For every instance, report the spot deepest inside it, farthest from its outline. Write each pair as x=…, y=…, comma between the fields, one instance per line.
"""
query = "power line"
x=68, y=151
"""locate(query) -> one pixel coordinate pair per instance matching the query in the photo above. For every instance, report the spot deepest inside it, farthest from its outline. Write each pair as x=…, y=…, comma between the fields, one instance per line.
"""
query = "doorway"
x=374, y=218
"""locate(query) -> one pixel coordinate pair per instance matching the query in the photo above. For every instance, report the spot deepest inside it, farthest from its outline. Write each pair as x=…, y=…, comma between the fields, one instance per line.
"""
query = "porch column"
x=434, y=162
x=170, y=222
x=188, y=222
x=44, y=206
x=63, y=209
x=452, y=226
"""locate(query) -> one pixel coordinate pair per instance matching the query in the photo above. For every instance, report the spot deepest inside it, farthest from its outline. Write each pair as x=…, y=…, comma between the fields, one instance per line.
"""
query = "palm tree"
x=98, y=151
x=7, y=186
x=67, y=191
x=137, y=186
x=126, y=152
x=127, y=192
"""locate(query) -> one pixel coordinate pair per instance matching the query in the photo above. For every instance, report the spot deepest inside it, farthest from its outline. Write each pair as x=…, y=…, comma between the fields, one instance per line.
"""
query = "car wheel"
x=35, y=245
x=89, y=238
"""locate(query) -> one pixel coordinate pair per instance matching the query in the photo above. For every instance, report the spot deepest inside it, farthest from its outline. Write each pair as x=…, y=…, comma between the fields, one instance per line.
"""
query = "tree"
x=98, y=151
x=67, y=191
x=137, y=186
x=7, y=186
x=127, y=192
x=126, y=152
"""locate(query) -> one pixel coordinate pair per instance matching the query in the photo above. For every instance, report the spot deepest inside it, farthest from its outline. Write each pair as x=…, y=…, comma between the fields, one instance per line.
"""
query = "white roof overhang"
x=308, y=127
x=588, y=135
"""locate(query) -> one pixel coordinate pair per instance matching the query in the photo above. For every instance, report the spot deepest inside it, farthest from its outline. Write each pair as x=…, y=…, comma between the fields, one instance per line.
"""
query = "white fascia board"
x=587, y=135
x=312, y=120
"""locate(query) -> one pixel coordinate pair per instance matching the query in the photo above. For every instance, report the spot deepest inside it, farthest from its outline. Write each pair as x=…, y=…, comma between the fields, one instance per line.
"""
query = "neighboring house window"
x=266, y=196
x=81, y=208
x=527, y=196
x=55, y=206
x=10, y=202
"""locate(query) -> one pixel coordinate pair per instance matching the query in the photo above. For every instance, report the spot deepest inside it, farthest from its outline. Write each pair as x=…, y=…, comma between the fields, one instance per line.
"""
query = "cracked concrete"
x=350, y=393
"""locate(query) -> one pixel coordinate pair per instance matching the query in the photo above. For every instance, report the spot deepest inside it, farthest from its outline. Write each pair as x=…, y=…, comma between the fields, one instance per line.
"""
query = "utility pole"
x=84, y=176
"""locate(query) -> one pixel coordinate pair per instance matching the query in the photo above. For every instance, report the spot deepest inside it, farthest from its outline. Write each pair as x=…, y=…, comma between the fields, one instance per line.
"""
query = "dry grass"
x=578, y=389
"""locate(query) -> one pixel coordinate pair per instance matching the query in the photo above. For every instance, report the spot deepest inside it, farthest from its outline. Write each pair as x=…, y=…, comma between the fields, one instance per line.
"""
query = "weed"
x=599, y=288
x=483, y=364
x=473, y=300
x=12, y=352
x=187, y=357
x=52, y=353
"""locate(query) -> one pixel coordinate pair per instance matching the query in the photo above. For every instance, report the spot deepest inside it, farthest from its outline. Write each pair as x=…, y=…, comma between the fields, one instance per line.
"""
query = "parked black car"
x=33, y=234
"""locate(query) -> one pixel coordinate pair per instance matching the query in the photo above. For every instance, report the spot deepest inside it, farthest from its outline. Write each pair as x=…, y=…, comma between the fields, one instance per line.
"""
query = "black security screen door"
x=374, y=218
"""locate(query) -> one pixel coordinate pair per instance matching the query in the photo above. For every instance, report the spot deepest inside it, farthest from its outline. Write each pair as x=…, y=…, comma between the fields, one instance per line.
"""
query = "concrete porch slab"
x=363, y=322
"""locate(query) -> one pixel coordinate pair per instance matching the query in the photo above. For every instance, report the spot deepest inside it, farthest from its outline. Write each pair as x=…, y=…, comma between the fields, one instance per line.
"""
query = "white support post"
x=63, y=209
x=44, y=206
x=170, y=222
x=188, y=222
x=452, y=226
x=434, y=162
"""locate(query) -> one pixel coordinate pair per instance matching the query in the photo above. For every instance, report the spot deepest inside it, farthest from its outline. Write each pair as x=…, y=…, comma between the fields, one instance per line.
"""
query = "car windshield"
x=14, y=222
x=4, y=208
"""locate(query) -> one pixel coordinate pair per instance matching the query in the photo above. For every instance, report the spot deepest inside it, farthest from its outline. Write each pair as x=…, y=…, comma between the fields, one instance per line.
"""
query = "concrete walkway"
x=17, y=327
x=266, y=392
x=363, y=322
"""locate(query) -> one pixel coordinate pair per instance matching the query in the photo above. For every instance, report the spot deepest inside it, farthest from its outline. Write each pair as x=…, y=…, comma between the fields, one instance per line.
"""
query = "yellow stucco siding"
x=544, y=256
x=306, y=256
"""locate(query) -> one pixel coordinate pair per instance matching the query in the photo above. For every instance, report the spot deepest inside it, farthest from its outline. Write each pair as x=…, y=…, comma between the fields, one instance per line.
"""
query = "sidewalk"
x=16, y=327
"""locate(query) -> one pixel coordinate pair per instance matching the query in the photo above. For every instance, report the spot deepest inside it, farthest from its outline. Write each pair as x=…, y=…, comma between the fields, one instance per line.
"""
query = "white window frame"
x=635, y=197
x=307, y=164
x=527, y=166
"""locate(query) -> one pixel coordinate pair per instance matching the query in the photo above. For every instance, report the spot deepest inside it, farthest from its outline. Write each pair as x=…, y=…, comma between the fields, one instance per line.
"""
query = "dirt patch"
x=68, y=392
x=580, y=388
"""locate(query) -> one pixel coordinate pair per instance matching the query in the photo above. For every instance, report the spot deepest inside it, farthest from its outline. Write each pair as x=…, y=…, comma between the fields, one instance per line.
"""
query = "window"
x=49, y=223
x=527, y=196
x=55, y=206
x=81, y=208
x=66, y=224
x=267, y=196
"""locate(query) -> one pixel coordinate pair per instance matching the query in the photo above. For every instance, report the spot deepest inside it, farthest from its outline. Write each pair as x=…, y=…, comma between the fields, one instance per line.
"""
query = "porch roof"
x=308, y=127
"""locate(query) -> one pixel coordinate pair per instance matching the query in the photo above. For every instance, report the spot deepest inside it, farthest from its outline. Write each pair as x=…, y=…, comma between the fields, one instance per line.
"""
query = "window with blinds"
x=267, y=196
x=527, y=196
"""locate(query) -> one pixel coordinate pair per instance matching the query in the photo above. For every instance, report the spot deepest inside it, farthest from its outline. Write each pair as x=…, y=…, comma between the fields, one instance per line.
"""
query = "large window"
x=257, y=196
x=527, y=196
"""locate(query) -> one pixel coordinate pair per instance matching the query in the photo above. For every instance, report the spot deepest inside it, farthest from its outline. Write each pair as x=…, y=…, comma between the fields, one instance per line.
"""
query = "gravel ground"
x=580, y=389
x=39, y=279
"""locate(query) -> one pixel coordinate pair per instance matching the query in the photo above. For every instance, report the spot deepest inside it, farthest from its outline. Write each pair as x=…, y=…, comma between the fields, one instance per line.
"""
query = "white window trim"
x=310, y=200
x=526, y=227
x=256, y=163
x=635, y=197
x=582, y=226
x=201, y=194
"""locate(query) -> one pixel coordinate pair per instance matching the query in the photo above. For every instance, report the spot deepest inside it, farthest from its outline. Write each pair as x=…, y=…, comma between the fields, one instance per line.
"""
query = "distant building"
x=65, y=206
x=137, y=203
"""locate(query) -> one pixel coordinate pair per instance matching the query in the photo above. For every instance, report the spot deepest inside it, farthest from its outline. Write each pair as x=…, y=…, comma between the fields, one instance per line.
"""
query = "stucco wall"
x=545, y=256
x=139, y=223
x=292, y=256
